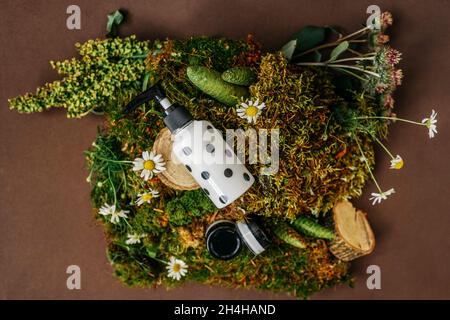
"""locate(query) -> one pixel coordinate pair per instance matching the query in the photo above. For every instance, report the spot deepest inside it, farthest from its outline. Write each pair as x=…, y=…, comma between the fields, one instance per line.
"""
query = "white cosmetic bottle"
x=202, y=149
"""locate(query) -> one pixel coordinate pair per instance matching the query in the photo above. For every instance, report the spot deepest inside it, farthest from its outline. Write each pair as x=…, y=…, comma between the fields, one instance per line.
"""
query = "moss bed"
x=320, y=162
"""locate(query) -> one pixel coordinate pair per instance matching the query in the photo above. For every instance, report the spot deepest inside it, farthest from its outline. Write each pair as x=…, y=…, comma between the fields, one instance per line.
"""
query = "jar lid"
x=222, y=240
x=253, y=236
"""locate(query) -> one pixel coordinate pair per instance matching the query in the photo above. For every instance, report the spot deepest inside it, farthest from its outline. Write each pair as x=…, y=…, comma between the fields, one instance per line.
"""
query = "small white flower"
x=149, y=164
x=377, y=197
x=176, y=268
x=147, y=197
x=250, y=110
x=115, y=214
x=397, y=163
x=430, y=123
x=134, y=238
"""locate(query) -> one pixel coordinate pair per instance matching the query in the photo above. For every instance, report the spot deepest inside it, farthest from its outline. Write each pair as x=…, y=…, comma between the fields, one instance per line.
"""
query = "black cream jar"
x=225, y=239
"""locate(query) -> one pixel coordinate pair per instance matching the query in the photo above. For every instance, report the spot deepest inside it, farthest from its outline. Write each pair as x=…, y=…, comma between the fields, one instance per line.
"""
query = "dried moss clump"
x=319, y=160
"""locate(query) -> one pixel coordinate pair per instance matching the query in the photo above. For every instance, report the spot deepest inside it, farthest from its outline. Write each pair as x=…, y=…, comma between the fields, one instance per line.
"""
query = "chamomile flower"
x=250, y=110
x=378, y=197
x=133, y=238
x=430, y=123
x=176, y=268
x=147, y=197
x=396, y=163
x=111, y=210
x=149, y=164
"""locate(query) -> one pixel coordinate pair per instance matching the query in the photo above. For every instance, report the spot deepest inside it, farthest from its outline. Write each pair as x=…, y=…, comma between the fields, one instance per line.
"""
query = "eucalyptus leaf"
x=333, y=30
x=337, y=51
x=309, y=37
x=289, y=48
x=114, y=20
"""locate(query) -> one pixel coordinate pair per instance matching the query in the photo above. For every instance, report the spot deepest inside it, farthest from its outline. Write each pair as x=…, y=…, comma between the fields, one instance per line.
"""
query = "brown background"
x=46, y=219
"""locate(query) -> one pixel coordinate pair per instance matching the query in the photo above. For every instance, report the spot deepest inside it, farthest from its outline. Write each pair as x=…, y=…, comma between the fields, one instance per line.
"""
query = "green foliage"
x=114, y=20
x=338, y=50
x=107, y=168
x=242, y=76
x=105, y=70
x=191, y=204
x=308, y=37
x=312, y=229
x=289, y=48
x=283, y=231
x=211, y=83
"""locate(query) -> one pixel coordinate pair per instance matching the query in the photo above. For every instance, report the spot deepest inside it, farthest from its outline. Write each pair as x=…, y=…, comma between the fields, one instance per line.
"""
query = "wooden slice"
x=176, y=176
x=354, y=236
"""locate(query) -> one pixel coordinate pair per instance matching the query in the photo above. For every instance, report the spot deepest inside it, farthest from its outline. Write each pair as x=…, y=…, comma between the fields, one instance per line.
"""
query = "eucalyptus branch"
x=325, y=64
x=335, y=43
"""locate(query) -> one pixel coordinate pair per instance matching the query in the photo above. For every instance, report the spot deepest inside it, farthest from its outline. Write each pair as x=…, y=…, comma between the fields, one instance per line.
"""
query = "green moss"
x=191, y=204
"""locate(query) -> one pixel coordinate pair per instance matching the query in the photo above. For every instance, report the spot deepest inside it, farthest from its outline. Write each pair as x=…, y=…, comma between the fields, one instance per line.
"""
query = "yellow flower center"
x=176, y=267
x=398, y=165
x=147, y=197
x=251, y=111
x=149, y=165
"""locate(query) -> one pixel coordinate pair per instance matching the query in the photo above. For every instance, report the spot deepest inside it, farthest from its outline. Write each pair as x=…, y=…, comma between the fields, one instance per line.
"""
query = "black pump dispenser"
x=176, y=116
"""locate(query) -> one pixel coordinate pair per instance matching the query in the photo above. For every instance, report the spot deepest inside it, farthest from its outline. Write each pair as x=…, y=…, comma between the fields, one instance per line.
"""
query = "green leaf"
x=343, y=46
x=114, y=20
x=289, y=48
x=309, y=37
x=151, y=252
x=145, y=81
x=334, y=30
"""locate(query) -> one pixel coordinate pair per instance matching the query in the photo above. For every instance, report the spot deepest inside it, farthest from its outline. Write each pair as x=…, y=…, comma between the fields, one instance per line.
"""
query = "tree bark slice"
x=176, y=176
x=354, y=236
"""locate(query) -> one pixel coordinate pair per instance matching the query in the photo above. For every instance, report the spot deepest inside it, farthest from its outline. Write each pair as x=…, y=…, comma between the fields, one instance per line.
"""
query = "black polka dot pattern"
x=189, y=168
x=223, y=199
x=205, y=175
x=228, y=172
x=187, y=151
x=209, y=128
x=210, y=148
x=246, y=176
x=206, y=191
